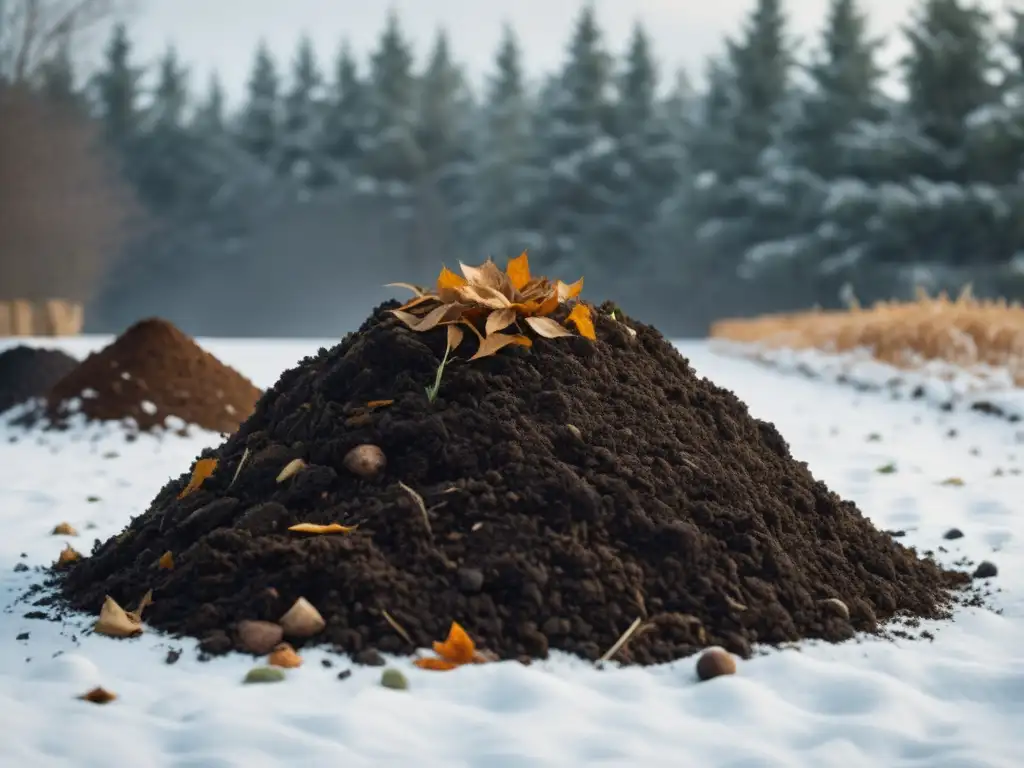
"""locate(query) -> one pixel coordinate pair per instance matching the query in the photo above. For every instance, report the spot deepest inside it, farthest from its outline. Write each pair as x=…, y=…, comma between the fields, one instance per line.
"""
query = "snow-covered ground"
x=957, y=701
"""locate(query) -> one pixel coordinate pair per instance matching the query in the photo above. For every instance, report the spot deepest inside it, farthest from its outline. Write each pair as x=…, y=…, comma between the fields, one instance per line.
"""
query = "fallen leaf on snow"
x=284, y=656
x=68, y=555
x=202, y=470
x=115, y=621
x=457, y=649
x=321, y=529
x=98, y=696
x=953, y=481
x=63, y=529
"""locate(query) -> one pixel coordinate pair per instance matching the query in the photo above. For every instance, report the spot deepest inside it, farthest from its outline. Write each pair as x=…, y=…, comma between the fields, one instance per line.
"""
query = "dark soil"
x=570, y=489
x=148, y=373
x=28, y=372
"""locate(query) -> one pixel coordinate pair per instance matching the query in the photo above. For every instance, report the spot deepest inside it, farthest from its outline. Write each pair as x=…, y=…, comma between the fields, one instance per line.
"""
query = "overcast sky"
x=221, y=34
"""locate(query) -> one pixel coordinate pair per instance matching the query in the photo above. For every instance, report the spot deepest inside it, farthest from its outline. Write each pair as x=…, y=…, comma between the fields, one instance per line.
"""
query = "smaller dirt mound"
x=150, y=372
x=27, y=372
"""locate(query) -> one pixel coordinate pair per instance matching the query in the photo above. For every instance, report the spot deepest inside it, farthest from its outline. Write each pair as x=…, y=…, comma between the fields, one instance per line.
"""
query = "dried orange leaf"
x=136, y=615
x=68, y=555
x=417, y=301
x=202, y=470
x=166, y=561
x=518, y=271
x=581, y=318
x=63, y=529
x=379, y=403
x=98, y=696
x=548, y=328
x=455, y=337
x=291, y=469
x=498, y=341
x=438, y=665
x=322, y=529
x=458, y=648
x=284, y=656
x=548, y=305
x=569, y=291
x=448, y=280
x=499, y=320
x=408, y=286
x=114, y=621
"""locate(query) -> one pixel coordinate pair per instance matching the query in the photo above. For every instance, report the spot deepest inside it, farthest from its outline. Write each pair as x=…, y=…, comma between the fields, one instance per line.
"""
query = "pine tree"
x=209, y=116
x=442, y=105
x=346, y=112
x=495, y=219
x=57, y=77
x=116, y=89
x=302, y=129
x=392, y=158
x=259, y=130
x=578, y=148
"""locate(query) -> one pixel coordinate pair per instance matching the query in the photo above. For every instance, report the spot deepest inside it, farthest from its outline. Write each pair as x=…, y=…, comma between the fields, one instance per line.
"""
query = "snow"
x=954, y=702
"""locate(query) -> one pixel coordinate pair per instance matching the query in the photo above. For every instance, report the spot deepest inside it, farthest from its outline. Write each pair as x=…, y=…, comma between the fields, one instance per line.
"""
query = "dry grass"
x=965, y=332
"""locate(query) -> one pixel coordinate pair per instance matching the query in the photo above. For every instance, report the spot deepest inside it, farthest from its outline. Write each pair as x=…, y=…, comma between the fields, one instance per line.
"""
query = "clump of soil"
x=29, y=372
x=567, y=490
x=150, y=372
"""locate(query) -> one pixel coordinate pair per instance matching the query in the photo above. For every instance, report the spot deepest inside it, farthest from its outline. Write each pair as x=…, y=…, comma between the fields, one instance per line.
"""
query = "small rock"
x=471, y=580
x=20, y=567
x=326, y=663
x=365, y=460
x=172, y=656
x=837, y=606
x=370, y=658
x=345, y=674
x=897, y=534
x=264, y=675
x=259, y=637
x=715, y=662
x=394, y=679
x=575, y=431
x=985, y=570
x=953, y=533
x=302, y=620
x=216, y=642
x=22, y=636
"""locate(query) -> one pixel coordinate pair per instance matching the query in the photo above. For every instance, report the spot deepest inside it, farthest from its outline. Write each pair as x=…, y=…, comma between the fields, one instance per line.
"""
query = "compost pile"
x=568, y=489
x=150, y=372
x=29, y=372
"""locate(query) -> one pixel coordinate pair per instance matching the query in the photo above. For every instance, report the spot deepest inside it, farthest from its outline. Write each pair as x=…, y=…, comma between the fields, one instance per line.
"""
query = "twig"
x=397, y=627
x=418, y=501
x=622, y=640
x=245, y=458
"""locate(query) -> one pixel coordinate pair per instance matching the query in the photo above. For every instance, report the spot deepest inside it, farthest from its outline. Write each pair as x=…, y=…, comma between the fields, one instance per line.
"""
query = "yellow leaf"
x=566, y=291
x=68, y=555
x=291, y=469
x=518, y=271
x=322, y=529
x=499, y=320
x=458, y=647
x=546, y=327
x=114, y=621
x=379, y=403
x=408, y=286
x=64, y=529
x=580, y=317
x=449, y=280
x=548, y=305
x=455, y=337
x=98, y=696
x=166, y=561
x=202, y=470
x=498, y=341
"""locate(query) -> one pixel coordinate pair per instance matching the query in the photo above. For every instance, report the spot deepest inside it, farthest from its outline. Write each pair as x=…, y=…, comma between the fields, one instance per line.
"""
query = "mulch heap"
x=150, y=372
x=545, y=496
x=29, y=372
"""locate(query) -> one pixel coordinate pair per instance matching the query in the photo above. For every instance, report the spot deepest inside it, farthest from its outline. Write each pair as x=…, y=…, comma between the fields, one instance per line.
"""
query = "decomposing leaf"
x=518, y=271
x=63, y=529
x=396, y=626
x=302, y=620
x=499, y=320
x=166, y=561
x=456, y=650
x=420, y=505
x=98, y=696
x=548, y=328
x=291, y=469
x=115, y=621
x=455, y=336
x=68, y=555
x=581, y=318
x=408, y=286
x=202, y=470
x=484, y=296
x=498, y=341
x=379, y=403
x=321, y=529
x=955, y=482
x=284, y=656
x=486, y=275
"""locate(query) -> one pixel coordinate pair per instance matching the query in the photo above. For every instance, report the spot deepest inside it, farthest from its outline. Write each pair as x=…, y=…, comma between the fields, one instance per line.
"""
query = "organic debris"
x=63, y=529
x=115, y=621
x=321, y=530
x=457, y=649
x=264, y=675
x=200, y=472
x=149, y=373
x=715, y=662
x=98, y=696
x=284, y=656
x=67, y=556
x=29, y=372
x=166, y=561
x=666, y=500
